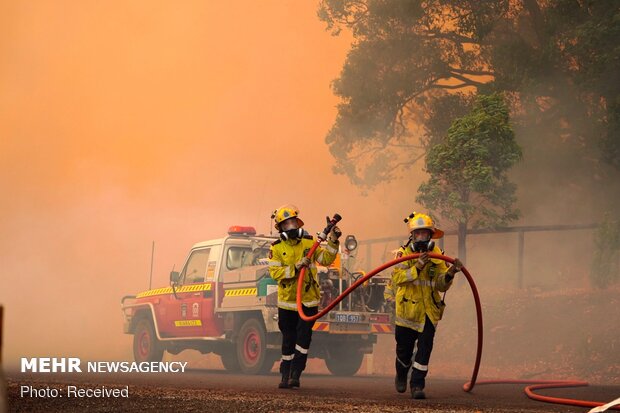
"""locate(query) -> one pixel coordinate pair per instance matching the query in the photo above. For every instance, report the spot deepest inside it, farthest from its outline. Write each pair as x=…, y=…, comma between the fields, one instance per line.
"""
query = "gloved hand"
x=422, y=261
x=457, y=266
x=334, y=234
x=304, y=262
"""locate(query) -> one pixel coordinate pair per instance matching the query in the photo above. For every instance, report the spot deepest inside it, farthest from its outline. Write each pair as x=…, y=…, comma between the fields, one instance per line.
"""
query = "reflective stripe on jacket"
x=282, y=258
x=417, y=292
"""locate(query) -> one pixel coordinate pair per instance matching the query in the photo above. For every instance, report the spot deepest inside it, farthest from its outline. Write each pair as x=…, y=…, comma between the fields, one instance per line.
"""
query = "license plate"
x=348, y=318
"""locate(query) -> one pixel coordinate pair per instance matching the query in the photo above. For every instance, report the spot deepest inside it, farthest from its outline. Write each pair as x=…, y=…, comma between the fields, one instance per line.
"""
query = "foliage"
x=557, y=61
x=605, y=268
x=468, y=171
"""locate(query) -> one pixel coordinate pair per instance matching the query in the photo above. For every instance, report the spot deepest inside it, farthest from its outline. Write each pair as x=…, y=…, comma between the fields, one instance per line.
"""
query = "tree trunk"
x=538, y=20
x=462, y=241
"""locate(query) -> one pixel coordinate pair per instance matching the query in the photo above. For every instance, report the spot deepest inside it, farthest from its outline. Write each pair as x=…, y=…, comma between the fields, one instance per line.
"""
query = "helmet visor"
x=423, y=234
x=288, y=224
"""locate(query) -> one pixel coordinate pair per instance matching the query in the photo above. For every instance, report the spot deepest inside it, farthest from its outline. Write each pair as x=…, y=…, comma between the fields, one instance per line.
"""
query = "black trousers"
x=296, y=338
x=405, y=342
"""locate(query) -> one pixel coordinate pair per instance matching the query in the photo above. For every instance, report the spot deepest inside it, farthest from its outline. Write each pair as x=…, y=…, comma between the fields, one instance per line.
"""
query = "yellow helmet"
x=418, y=220
x=286, y=212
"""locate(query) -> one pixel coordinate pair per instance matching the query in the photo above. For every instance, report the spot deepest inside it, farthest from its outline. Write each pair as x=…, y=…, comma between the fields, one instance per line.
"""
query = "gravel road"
x=219, y=391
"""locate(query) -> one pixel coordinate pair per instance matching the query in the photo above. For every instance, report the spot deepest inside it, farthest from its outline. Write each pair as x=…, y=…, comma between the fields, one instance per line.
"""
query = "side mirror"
x=174, y=277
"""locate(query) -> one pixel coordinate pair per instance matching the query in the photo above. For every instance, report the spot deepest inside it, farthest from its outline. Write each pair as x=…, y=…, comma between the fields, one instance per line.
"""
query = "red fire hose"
x=468, y=386
x=529, y=390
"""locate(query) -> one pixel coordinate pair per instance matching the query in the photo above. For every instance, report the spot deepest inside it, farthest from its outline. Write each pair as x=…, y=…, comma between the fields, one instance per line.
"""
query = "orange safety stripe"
x=319, y=326
x=381, y=328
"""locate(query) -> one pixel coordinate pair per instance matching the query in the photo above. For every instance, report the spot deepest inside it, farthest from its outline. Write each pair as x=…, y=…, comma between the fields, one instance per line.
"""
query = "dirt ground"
x=219, y=391
x=567, y=334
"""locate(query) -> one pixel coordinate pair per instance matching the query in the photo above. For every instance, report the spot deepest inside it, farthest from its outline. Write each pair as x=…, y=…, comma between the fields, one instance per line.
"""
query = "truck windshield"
x=244, y=256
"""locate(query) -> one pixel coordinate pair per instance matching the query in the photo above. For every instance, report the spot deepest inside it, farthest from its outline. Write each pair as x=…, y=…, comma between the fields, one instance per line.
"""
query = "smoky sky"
x=124, y=123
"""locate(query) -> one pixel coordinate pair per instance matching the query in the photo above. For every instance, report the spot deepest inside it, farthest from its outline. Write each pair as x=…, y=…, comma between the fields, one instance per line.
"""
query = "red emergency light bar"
x=241, y=230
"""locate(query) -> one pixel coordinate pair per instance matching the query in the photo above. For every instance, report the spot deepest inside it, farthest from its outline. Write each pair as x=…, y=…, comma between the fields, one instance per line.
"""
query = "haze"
x=124, y=123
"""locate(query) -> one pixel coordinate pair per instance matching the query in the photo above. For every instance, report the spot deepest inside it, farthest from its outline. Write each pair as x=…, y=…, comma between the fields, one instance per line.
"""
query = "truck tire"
x=344, y=363
x=251, y=346
x=229, y=360
x=146, y=346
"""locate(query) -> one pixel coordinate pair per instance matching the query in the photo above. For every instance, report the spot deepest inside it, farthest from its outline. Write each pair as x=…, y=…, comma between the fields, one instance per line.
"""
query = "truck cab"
x=224, y=301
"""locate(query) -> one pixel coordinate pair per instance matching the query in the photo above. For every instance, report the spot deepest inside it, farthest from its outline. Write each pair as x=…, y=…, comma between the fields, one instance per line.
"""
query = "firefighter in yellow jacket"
x=287, y=257
x=419, y=306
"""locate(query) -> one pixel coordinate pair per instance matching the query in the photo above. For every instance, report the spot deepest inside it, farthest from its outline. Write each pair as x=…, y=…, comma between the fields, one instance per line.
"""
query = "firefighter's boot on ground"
x=294, y=380
x=402, y=370
x=285, y=370
x=417, y=393
x=401, y=384
x=284, y=383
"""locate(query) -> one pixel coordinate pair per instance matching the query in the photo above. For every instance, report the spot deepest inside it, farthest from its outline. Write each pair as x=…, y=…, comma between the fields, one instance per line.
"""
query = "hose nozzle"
x=331, y=223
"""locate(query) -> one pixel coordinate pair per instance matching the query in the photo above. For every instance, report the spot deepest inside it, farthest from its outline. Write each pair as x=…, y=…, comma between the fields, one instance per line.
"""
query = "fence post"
x=3, y=385
x=520, y=258
x=1, y=318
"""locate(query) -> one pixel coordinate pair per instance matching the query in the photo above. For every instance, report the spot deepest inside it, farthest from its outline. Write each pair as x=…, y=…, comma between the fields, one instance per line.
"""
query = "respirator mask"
x=422, y=241
x=290, y=230
x=292, y=234
x=423, y=246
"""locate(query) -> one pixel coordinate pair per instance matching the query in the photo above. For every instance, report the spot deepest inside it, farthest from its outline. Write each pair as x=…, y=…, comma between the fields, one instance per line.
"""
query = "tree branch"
x=400, y=116
x=409, y=162
x=466, y=80
x=455, y=37
x=396, y=145
x=452, y=87
x=367, y=151
x=471, y=72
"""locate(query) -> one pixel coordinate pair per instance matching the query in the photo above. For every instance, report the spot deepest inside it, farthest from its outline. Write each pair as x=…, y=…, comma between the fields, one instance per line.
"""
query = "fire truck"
x=224, y=301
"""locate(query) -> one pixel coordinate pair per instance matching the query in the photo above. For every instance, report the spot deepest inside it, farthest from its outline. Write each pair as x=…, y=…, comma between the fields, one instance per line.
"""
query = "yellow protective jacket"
x=417, y=292
x=282, y=258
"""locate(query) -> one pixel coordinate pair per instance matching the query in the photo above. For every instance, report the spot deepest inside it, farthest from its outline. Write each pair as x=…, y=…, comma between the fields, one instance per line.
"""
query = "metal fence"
x=520, y=231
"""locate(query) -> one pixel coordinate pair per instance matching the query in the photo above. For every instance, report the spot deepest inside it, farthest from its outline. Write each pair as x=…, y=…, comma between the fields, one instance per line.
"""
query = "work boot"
x=401, y=385
x=417, y=393
x=294, y=380
x=284, y=384
x=285, y=371
x=402, y=371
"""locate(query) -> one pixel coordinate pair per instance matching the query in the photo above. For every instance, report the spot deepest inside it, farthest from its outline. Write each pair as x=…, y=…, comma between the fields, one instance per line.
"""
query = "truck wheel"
x=229, y=360
x=344, y=363
x=251, y=346
x=146, y=346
